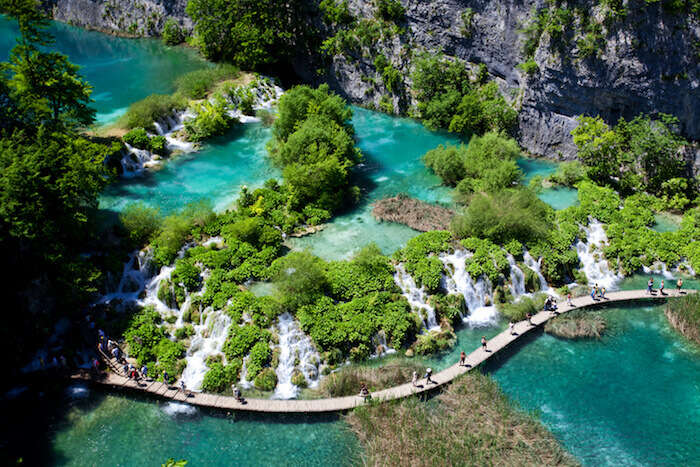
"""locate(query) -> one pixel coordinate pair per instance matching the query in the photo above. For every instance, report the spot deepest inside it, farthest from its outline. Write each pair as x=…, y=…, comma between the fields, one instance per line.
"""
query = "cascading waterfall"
x=296, y=353
x=135, y=277
x=208, y=340
x=416, y=297
x=535, y=266
x=474, y=293
x=517, y=278
x=658, y=268
x=381, y=348
x=597, y=270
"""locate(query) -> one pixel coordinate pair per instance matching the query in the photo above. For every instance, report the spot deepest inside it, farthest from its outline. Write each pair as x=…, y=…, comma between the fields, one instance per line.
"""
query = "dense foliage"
x=247, y=33
x=448, y=98
x=642, y=154
x=50, y=178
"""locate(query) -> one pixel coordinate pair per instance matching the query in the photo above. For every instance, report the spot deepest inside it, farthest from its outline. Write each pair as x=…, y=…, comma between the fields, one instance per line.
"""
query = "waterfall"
x=416, y=297
x=296, y=353
x=536, y=267
x=597, y=270
x=134, y=161
x=658, y=268
x=381, y=347
x=517, y=278
x=208, y=340
x=135, y=277
x=474, y=293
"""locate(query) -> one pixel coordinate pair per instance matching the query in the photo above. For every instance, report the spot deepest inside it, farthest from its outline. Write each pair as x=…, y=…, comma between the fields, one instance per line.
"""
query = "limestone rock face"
x=123, y=17
x=646, y=62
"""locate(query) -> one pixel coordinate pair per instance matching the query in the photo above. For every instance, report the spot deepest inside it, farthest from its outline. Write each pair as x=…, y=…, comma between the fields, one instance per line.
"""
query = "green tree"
x=300, y=279
x=248, y=33
x=172, y=32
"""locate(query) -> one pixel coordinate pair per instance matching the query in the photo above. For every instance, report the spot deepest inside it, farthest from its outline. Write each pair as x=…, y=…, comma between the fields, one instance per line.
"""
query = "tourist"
x=462, y=358
x=568, y=300
x=101, y=333
x=650, y=285
x=236, y=393
x=115, y=353
x=679, y=285
x=428, y=374
x=364, y=392
x=511, y=328
x=661, y=288
x=414, y=379
x=144, y=372
x=483, y=343
x=125, y=369
x=593, y=292
x=166, y=378
x=529, y=318
x=183, y=387
x=96, y=365
x=602, y=293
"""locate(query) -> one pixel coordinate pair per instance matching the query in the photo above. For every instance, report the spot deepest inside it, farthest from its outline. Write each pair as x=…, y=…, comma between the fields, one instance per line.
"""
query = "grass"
x=470, y=423
x=684, y=315
x=347, y=380
x=577, y=324
x=153, y=108
x=197, y=84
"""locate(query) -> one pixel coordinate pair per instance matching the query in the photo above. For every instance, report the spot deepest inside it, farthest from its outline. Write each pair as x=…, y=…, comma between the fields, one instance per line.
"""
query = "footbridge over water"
x=337, y=404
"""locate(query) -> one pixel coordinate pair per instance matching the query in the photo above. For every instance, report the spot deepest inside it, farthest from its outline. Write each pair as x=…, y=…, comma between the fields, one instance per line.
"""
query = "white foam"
x=597, y=271
x=416, y=296
x=296, y=352
x=175, y=409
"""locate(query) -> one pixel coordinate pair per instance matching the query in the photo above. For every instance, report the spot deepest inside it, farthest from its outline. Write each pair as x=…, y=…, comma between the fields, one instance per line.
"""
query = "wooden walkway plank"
x=336, y=404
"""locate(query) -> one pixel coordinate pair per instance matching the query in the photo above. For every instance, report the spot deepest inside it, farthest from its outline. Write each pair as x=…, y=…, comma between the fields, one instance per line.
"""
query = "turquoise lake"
x=632, y=398
x=121, y=71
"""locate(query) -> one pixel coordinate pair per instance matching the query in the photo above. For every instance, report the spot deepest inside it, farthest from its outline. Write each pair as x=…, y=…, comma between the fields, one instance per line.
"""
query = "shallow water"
x=121, y=430
x=216, y=174
x=665, y=223
x=121, y=71
x=632, y=398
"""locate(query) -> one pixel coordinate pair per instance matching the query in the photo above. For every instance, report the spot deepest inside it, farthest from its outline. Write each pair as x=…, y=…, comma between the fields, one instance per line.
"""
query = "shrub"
x=518, y=311
x=159, y=145
x=266, y=380
x=447, y=162
x=299, y=279
x=390, y=10
x=568, y=173
x=138, y=138
x=529, y=67
x=187, y=274
x=184, y=332
x=515, y=214
x=211, y=119
x=219, y=378
x=142, y=222
x=260, y=356
x=172, y=33
x=153, y=108
x=242, y=338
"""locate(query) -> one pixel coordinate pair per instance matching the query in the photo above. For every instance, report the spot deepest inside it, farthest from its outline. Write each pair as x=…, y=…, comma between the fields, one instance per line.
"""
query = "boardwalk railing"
x=337, y=404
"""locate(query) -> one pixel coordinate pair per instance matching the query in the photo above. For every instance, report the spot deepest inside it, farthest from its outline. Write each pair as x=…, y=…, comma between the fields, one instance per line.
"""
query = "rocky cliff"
x=614, y=58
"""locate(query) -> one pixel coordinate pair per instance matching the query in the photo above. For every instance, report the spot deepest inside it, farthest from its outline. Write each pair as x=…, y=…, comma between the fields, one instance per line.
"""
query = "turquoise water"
x=116, y=429
x=216, y=174
x=632, y=398
x=122, y=71
x=560, y=197
x=665, y=223
x=392, y=148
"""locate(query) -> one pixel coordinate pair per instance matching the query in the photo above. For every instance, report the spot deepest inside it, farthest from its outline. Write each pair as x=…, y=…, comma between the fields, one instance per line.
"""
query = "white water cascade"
x=597, y=269
x=296, y=353
x=517, y=278
x=658, y=268
x=208, y=340
x=416, y=297
x=474, y=293
x=535, y=266
x=381, y=348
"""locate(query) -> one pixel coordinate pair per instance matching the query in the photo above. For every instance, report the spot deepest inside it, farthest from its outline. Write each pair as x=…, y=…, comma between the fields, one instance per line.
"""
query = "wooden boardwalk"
x=338, y=404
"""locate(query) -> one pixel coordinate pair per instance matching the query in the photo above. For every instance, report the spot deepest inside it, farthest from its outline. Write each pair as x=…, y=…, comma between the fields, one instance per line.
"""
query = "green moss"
x=266, y=380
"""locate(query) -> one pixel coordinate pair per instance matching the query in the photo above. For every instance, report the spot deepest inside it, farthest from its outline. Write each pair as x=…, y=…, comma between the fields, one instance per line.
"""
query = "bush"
x=184, y=332
x=529, y=67
x=173, y=34
x=266, y=380
x=390, y=10
x=518, y=311
x=260, y=356
x=153, y=108
x=138, y=138
x=299, y=279
x=159, y=145
x=187, y=274
x=568, y=173
x=220, y=378
x=197, y=84
x=142, y=222
x=515, y=214
x=211, y=119
x=447, y=162
x=242, y=338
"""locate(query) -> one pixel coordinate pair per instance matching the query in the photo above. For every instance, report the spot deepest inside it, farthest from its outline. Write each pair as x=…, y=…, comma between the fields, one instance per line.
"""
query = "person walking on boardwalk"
x=511, y=328
x=483, y=343
x=414, y=379
x=602, y=293
x=529, y=318
x=679, y=285
x=166, y=378
x=594, y=290
x=650, y=285
x=661, y=288
x=568, y=300
x=144, y=371
x=364, y=392
x=236, y=393
x=462, y=358
x=428, y=374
